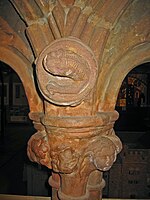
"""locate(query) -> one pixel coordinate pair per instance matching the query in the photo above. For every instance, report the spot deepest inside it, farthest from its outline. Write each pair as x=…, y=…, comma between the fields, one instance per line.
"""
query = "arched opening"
x=15, y=130
x=129, y=176
x=133, y=103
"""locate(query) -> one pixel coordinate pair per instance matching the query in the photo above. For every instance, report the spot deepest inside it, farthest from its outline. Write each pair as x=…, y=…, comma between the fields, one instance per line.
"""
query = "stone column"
x=77, y=143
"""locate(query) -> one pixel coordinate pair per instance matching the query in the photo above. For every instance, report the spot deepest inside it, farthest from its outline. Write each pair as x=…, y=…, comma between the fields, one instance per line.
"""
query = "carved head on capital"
x=65, y=160
x=38, y=149
x=104, y=153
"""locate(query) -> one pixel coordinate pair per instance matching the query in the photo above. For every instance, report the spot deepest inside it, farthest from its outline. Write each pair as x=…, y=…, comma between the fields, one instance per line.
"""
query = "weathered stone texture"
x=81, y=51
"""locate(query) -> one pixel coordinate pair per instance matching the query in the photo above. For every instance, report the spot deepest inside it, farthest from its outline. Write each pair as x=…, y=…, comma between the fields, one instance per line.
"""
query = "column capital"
x=75, y=147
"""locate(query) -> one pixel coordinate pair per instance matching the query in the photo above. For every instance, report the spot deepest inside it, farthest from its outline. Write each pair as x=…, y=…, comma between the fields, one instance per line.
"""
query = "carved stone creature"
x=66, y=71
x=66, y=64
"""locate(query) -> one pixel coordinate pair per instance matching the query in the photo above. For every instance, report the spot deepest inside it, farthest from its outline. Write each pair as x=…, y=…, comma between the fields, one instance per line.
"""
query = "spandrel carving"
x=66, y=71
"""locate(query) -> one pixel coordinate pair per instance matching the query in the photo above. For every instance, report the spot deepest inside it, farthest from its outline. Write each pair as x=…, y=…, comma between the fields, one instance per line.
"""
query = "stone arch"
x=138, y=55
x=21, y=68
x=127, y=46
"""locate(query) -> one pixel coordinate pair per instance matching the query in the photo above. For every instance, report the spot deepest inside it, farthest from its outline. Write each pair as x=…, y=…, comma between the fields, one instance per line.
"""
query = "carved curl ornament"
x=66, y=71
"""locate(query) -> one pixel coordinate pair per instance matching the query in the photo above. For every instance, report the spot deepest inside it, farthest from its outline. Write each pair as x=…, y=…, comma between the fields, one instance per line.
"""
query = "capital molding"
x=75, y=147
